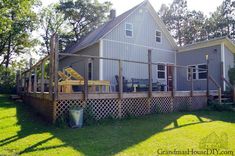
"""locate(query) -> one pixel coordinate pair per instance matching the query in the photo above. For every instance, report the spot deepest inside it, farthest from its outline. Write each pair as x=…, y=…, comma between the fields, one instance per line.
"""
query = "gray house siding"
x=194, y=57
x=229, y=61
x=78, y=63
x=117, y=45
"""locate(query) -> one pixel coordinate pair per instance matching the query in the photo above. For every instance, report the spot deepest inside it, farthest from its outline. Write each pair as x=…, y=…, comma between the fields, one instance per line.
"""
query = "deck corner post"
x=120, y=79
x=51, y=66
x=56, y=66
x=150, y=73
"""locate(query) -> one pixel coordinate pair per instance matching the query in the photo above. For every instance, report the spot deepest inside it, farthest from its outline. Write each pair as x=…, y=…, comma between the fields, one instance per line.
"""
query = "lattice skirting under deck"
x=115, y=108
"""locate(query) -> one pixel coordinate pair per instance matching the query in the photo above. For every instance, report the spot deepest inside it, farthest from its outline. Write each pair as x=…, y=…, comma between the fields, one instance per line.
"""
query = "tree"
x=51, y=22
x=83, y=16
x=18, y=20
x=175, y=18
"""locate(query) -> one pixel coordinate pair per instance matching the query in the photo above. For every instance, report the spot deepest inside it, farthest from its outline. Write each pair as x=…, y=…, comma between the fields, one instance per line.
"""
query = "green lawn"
x=23, y=132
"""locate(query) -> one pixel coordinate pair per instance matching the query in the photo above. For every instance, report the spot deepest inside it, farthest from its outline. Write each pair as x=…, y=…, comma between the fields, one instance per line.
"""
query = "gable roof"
x=98, y=33
x=101, y=31
x=208, y=43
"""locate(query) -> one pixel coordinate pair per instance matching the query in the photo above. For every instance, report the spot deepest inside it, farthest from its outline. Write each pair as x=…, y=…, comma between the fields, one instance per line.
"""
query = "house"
x=220, y=53
x=130, y=36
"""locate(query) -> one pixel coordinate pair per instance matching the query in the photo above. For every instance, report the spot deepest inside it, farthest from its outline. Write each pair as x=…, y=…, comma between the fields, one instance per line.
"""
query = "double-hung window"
x=161, y=71
x=202, y=71
x=158, y=36
x=129, y=29
x=193, y=67
x=199, y=72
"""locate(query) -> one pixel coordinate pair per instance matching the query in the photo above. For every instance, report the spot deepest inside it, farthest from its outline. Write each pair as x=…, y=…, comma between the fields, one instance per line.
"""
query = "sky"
x=121, y=6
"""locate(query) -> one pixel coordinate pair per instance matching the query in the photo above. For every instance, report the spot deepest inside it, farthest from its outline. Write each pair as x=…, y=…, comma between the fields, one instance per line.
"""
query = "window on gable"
x=161, y=71
x=129, y=29
x=202, y=71
x=158, y=36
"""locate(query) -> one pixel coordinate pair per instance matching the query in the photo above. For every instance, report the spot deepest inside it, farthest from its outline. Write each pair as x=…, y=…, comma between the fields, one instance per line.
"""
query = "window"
x=90, y=68
x=158, y=36
x=129, y=29
x=202, y=71
x=161, y=71
x=199, y=72
x=194, y=72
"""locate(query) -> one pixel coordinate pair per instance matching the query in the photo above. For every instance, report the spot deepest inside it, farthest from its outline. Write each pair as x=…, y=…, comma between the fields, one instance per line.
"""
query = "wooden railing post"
x=86, y=79
x=191, y=80
x=35, y=80
x=150, y=73
x=51, y=73
x=42, y=77
x=120, y=79
x=30, y=75
x=56, y=66
x=173, y=80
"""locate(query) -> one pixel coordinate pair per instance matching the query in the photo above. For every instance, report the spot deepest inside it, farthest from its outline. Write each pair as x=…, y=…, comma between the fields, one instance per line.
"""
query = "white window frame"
x=162, y=71
x=92, y=69
x=132, y=30
x=196, y=72
x=188, y=67
x=200, y=71
x=158, y=36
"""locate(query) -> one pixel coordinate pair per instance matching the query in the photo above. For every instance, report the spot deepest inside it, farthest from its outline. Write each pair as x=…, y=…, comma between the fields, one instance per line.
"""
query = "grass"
x=23, y=132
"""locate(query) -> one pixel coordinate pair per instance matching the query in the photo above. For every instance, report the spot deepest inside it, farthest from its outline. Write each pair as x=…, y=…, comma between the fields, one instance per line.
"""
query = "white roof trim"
x=227, y=42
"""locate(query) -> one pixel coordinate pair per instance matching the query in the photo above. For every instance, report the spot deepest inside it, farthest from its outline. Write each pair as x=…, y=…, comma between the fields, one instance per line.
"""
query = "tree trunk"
x=8, y=52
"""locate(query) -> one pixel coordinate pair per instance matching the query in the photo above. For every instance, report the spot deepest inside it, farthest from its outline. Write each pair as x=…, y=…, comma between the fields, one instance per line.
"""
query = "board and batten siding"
x=117, y=45
x=194, y=57
x=78, y=63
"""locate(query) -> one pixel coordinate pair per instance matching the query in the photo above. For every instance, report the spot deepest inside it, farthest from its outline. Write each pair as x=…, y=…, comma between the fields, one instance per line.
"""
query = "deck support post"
x=233, y=93
x=150, y=73
x=191, y=80
x=86, y=79
x=56, y=65
x=35, y=80
x=173, y=80
x=120, y=79
x=51, y=71
x=42, y=77
x=30, y=75
x=222, y=75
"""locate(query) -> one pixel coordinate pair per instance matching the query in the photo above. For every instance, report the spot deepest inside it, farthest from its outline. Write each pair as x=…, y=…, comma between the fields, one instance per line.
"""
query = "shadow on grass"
x=107, y=138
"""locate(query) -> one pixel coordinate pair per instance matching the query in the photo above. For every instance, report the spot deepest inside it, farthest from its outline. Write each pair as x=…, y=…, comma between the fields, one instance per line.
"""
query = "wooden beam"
x=35, y=81
x=150, y=73
x=222, y=75
x=173, y=80
x=17, y=81
x=30, y=75
x=56, y=66
x=42, y=76
x=51, y=71
x=120, y=80
x=191, y=80
x=86, y=79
